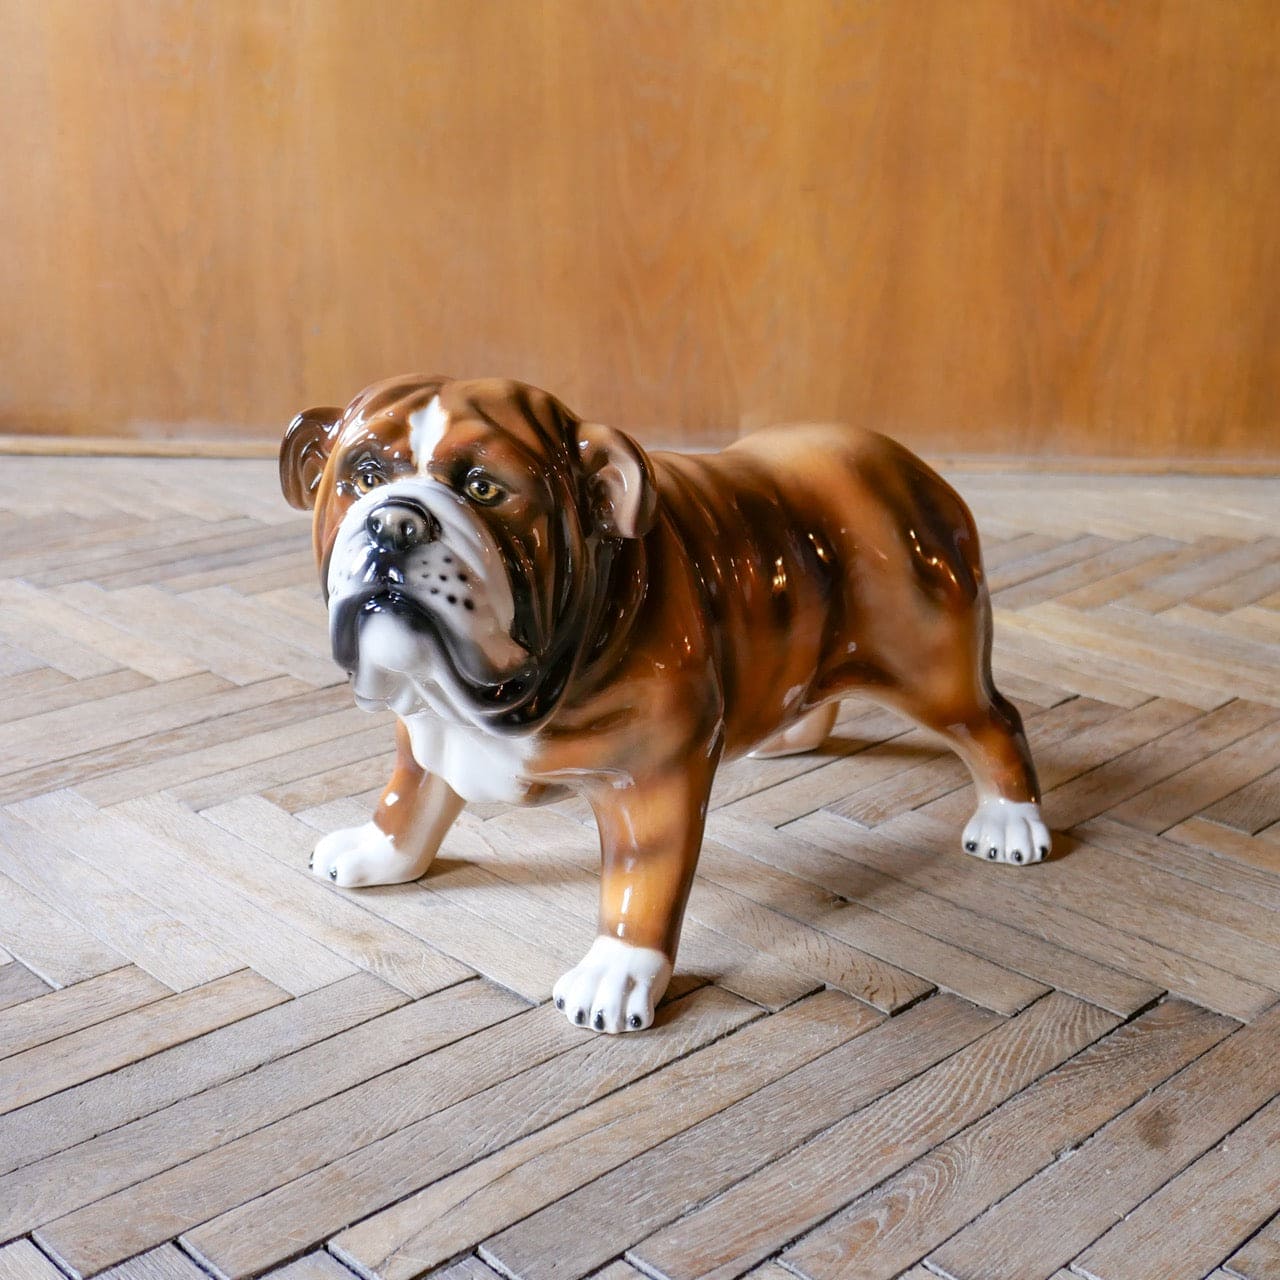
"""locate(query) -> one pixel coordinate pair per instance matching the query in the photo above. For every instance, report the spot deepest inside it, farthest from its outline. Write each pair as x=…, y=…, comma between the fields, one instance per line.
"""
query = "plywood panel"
x=1043, y=228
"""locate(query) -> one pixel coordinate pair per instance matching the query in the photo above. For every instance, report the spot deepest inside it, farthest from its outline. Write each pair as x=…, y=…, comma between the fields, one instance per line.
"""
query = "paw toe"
x=1007, y=831
x=614, y=989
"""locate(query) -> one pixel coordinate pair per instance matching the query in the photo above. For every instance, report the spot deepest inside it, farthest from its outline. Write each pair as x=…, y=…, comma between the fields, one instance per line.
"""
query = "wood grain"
x=45, y=1069
x=241, y=1242
x=1173, y=1125
x=1192, y=1221
x=655, y=1188
x=76, y=1007
x=491, y=1194
x=1259, y=1258
x=209, y=1124
x=21, y=1260
x=212, y=1062
x=725, y=1237
x=886, y=1229
x=18, y=984
x=1043, y=228
x=162, y=1079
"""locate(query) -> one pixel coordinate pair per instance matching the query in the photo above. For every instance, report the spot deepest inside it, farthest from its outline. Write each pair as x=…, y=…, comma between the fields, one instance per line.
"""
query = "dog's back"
x=818, y=549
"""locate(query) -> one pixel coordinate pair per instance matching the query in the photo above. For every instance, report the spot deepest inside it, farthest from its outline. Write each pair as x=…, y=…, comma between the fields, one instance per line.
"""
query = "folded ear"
x=303, y=453
x=620, y=482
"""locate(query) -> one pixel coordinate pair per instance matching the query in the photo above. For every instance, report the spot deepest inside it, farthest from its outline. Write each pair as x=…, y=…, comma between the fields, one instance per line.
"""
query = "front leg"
x=650, y=834
x=415, y=812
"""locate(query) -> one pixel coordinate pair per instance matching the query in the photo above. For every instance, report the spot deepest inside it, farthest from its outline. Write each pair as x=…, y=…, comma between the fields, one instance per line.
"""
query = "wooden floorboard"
x=879, y=1060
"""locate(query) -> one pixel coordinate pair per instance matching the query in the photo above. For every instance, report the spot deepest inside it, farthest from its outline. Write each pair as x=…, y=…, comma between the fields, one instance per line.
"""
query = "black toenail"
x=311, y=863
x=1044, y=850
x=971, y=845
x=992, y=852
x=560, y=1002
x=580, y=1017
x=634, y=1021
x=1017, y=855
x=598, y=1020
x=333, y=873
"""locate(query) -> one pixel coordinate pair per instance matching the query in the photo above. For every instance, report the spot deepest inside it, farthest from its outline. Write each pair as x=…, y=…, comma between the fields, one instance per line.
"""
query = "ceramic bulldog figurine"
x=547, y=608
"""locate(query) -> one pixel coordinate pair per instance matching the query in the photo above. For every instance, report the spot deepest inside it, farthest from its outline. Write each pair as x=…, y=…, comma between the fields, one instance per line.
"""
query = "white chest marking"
x=426, y=429
x=477, y=765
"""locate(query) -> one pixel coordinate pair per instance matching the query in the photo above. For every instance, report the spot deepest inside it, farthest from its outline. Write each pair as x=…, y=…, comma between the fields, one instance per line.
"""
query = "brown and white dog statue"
x=547, y=608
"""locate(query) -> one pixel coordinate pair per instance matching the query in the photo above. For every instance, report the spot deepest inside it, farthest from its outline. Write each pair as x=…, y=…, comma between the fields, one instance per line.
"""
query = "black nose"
x=399, y=526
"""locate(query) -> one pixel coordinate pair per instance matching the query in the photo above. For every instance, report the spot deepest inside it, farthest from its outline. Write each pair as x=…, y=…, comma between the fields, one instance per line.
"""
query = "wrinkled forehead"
x=418, y=420
x=380, y=416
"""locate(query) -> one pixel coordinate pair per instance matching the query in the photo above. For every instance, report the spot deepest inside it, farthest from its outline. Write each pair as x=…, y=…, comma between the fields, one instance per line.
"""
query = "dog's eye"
x=367, y=478
x=482, y=490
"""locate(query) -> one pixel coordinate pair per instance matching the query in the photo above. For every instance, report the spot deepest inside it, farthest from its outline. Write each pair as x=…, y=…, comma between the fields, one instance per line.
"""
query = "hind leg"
x=806, y=734
x=1006, y=826
x=986, y=733
x=952, y=693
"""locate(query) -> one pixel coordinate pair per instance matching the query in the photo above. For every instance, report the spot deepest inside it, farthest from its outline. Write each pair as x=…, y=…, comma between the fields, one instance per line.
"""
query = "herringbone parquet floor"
x=881, y=1058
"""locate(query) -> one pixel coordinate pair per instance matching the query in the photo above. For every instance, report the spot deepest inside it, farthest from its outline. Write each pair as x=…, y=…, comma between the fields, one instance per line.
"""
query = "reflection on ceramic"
x=549, y=609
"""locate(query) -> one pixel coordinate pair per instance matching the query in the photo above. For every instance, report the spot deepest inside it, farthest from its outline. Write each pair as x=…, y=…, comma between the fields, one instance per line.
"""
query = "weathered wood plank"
x=48, y=942
x=70, y=731
x=43, y=613
x=1195, y=1220
x=1263, y=854
x=1202, y=783
x=905, y=881
x=741, y=1227
x=73, y=1008
x=195, y=1129
x=38, y=1072
x=175, y=882
x=1051, y=1218
x=458, y=1211
x=298, y=897
x=239, y=1243
x=49, y=690
x=21, y=1260
x=1214, y=872
x=161, y=1079
x=169, y=950
x=1071, y=924
x=207, y=717
x=324, y=1266
x=287, y=722
x=888, y=1228
x=168, y=1262
x=1252, y=807
x=187, y=1194
x=18, y=984
x=517, y=961
x=655, y=1188
x=1259, y=1259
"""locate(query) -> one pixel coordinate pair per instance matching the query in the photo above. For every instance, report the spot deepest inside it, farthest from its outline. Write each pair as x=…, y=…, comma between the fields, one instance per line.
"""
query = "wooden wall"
x=1042, y=227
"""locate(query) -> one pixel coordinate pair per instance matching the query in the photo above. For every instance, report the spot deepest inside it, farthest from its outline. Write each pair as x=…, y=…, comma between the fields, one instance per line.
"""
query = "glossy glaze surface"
x=546, y=607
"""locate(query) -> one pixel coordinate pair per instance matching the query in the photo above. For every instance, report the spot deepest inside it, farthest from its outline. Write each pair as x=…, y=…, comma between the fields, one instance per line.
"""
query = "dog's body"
x=547, y=609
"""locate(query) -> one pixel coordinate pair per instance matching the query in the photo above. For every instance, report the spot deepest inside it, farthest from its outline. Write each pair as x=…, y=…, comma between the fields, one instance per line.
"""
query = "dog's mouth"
x=349, y=613
x=400, y=655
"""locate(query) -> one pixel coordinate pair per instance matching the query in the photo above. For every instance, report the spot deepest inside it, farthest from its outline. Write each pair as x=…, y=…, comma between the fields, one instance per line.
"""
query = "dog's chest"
x=477, y=765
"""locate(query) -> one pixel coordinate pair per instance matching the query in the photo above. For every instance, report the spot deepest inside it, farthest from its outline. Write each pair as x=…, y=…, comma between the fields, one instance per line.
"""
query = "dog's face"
x=460, y=529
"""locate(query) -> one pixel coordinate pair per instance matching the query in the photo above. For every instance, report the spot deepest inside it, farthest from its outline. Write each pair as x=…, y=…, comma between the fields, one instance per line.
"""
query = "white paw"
x=614, y=988
x=363, y=855
x=1007, y=831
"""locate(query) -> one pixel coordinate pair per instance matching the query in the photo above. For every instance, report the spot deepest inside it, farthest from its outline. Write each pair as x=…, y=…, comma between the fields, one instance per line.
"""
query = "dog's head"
x=462, y=529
